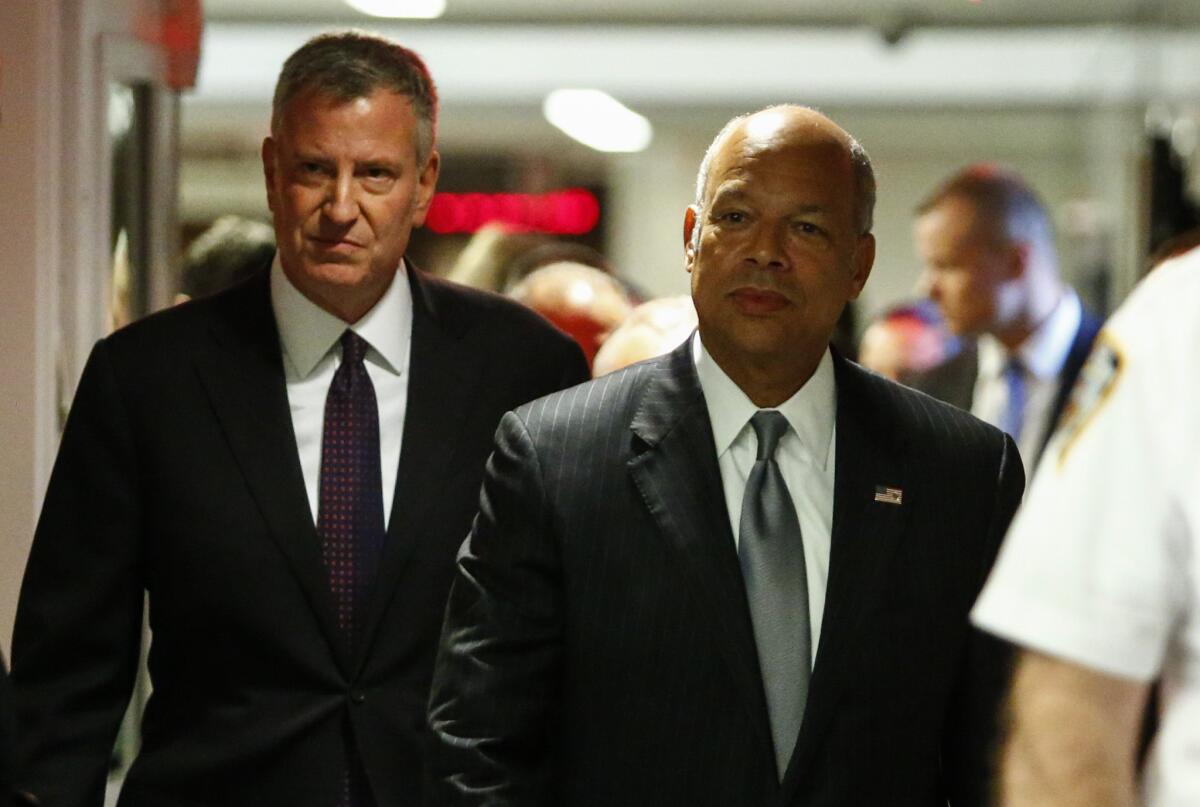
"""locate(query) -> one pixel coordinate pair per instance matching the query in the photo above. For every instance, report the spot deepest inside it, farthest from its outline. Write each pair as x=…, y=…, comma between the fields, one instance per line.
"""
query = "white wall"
x=56, y=59
x=30, y=47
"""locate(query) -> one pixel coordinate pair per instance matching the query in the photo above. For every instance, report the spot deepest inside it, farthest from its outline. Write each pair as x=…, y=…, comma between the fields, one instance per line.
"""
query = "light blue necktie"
x=1013, y=417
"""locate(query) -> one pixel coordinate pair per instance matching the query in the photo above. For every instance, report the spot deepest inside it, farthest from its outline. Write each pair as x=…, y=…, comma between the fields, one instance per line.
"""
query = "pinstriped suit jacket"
x=598, y=648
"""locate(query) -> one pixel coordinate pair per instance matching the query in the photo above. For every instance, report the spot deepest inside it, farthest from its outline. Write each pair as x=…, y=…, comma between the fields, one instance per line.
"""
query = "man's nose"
x=341, y=201
x=767, y=247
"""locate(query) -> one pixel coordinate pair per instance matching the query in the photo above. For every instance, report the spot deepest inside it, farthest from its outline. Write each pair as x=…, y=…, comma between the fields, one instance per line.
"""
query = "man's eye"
x=732, y=216
x=309, y=167
x=808, y=228
x=377, y=174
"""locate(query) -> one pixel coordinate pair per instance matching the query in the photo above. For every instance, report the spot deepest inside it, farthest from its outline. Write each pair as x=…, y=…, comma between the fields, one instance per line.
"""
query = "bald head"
x=797, y=124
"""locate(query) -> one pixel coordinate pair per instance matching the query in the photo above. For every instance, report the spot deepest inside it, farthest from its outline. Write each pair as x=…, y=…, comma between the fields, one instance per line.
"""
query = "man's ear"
x=690, y=236
x=1019, y=254
x=268, y=161
x=426, y=185
x=863, y=260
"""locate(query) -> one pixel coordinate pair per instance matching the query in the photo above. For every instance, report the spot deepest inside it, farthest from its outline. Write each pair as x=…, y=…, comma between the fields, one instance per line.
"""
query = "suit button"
x=358, y=698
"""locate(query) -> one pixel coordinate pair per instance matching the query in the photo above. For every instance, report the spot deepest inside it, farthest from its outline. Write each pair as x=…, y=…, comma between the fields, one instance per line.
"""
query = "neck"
x=767, y=382
x=347, y=303
x=1042, y=304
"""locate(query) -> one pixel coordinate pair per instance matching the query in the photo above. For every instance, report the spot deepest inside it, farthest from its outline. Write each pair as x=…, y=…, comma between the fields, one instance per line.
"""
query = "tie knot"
x=354, y=347
x=769, y=426
x=1014, y=366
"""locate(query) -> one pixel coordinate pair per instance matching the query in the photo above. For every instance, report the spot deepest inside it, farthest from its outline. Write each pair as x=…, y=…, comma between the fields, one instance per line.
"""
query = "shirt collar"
x=1045, y=351
x=308, y=332
x=811, y=412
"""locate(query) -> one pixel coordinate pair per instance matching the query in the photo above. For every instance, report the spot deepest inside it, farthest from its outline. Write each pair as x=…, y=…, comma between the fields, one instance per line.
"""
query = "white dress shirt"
x=805, y=456
x=309, y=337
x=1042, y=357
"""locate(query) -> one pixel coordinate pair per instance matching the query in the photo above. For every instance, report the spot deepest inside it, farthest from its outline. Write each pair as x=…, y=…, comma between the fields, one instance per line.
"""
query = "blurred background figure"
x=906, y=339
x=583, y=302
x=488, y=258
x=229, y=251
x=654, y=328
x=991, y=265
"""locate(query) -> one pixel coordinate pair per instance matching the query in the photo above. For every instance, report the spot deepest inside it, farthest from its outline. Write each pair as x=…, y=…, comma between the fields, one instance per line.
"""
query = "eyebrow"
x=737, y=194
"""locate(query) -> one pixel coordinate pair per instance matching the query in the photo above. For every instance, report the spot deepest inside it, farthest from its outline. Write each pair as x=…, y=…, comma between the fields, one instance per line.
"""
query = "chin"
x=340, y=273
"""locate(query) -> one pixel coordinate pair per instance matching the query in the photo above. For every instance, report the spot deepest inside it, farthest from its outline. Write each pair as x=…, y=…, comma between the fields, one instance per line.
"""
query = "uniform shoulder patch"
x=1092, y=389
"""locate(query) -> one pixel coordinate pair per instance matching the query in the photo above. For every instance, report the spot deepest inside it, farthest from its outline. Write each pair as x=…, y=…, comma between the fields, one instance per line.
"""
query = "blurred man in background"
x=287, y=469
x=904, y=340
x=1099, y=578
x=230, y=251
x=652, y=329
x=582, y=302
x=991, y=266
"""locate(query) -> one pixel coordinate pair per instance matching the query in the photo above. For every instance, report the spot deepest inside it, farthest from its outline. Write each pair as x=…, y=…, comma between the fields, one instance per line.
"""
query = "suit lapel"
x=678, y=477
x=443, y=375
x=864, y=539
x=245, y=382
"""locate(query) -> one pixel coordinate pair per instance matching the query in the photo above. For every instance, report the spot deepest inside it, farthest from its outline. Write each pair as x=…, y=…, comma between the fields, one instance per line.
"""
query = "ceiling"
x=876, y=13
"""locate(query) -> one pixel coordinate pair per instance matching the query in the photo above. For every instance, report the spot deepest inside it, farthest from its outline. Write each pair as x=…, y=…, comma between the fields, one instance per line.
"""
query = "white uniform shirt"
x=1042, y=357
x=309, y=337
x=805, y=456
x=1102, y=564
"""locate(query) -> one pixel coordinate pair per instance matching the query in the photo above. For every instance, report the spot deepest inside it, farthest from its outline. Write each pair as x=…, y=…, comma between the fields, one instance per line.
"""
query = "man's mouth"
x=342, y=245
x=759, y=301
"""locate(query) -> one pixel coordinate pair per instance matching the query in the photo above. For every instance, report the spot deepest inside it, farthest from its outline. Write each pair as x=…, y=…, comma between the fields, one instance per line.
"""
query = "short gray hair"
x=351, y=64
x=864, y=174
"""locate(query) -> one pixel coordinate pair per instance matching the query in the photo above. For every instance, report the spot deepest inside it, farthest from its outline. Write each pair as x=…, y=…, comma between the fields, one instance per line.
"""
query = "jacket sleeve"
x=79, y=618
x=495, y=681
x=972, y=733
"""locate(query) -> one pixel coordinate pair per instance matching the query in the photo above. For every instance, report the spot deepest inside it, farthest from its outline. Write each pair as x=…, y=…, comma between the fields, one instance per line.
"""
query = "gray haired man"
x=286, y=469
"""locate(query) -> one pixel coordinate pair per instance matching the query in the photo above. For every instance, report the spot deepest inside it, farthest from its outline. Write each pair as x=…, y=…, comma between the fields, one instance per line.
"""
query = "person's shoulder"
x=182, y=326
x=912, y=415
x=464, y=306
x=1163, y=303
x=609, y=397
x=522, y=346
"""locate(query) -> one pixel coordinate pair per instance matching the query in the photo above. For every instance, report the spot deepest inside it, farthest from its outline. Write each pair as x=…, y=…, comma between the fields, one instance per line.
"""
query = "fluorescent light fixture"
x=597, y=120
x=411, y=9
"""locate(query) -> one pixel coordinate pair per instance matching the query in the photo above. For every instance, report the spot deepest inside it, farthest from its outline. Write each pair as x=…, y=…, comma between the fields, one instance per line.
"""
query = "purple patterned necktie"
x=350, y=513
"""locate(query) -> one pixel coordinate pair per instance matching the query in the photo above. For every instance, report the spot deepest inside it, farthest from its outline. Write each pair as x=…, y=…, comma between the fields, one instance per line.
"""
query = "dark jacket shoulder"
x=914, y=420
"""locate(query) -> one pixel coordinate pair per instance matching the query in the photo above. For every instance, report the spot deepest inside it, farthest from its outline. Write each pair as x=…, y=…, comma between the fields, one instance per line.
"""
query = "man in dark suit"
x=738, y=574
x=991, y=266
x=287, y=469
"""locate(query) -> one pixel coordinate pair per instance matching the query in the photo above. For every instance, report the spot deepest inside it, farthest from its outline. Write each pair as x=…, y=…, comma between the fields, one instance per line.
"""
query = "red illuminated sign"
x=573, y=211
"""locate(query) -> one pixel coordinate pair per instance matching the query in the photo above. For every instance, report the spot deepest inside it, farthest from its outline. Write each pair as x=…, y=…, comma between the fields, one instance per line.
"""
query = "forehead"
x=383, y=117
x=769, y=155
x=955, y=223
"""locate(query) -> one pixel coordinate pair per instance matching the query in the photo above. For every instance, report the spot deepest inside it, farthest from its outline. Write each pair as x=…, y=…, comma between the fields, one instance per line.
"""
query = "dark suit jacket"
x=7, y=777
x=953, y=381
x=178, y=475
x=598, y=648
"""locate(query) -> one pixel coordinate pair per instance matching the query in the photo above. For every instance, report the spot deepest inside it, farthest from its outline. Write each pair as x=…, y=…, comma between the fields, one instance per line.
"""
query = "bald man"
x=685, y=586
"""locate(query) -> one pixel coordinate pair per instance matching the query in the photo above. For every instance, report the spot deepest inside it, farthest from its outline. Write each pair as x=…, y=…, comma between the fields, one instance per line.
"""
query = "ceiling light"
x=412, y=9
x=598, y=120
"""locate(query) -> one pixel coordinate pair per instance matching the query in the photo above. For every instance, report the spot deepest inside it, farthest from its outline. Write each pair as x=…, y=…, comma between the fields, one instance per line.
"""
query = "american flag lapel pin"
x=889, y=495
